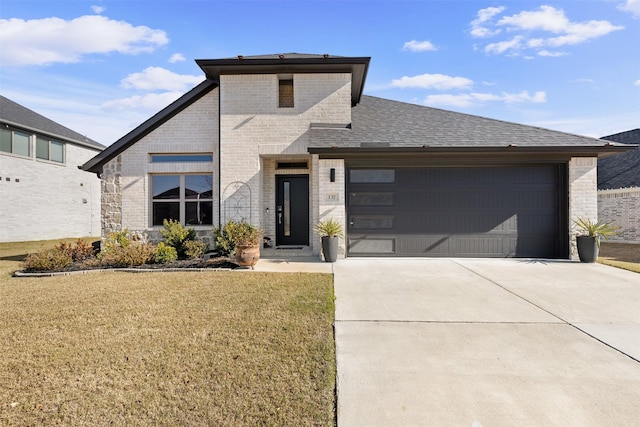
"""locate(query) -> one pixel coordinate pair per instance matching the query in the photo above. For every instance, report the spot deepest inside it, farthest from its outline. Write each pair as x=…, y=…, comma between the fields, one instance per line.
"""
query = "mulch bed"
x=212, y=263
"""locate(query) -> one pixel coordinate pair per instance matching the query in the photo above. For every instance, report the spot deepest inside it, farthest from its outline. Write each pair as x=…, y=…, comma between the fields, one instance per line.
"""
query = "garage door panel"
x=490, y=211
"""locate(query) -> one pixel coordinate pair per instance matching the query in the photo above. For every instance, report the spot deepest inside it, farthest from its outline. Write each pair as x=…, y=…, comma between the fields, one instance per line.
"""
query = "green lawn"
x=194, y=348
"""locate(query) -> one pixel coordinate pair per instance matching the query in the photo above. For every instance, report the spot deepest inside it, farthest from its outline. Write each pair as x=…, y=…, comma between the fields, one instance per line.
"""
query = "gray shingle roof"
x=386, y=123
x=15, y=114
x=622, y=170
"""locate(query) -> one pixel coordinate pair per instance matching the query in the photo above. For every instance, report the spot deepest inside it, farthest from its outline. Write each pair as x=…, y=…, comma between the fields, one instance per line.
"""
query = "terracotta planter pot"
x=247, y=255
x=330, y=248
x=587, y=248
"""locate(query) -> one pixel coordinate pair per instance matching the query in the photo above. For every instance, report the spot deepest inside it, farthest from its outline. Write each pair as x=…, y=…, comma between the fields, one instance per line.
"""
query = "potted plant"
x=330, y=232
x=239, y=239
x=588, y=240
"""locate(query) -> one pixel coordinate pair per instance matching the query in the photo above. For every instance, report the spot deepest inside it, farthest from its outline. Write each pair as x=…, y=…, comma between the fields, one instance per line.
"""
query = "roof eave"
x=96, y=163
x=88, y=144
x=356, y=66
x=580, y=151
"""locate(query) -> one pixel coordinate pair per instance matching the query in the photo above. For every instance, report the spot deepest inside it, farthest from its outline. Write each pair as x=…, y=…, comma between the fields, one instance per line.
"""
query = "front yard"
x=192, y=348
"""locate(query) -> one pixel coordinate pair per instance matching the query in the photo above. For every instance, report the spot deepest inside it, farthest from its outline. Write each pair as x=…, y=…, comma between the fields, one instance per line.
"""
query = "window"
x=171, y=158
x=185, y=198
x=15, y=142
x=372, y=176
x=49, y=150
x=285, y=93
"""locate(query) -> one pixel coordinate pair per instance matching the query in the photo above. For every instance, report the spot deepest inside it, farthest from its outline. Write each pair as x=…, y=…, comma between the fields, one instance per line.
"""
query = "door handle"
x=280, y=218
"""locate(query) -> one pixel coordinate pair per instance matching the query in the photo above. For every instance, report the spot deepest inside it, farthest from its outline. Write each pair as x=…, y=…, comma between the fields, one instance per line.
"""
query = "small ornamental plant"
x=596, y=229
x=329, y=227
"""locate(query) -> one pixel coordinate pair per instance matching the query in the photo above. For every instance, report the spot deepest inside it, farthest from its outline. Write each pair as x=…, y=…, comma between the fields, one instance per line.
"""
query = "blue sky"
x=102, y=67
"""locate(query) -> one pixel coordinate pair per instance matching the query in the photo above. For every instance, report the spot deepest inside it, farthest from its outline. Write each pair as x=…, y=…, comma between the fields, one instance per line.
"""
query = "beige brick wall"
x=255, y=133
x=583, y=200
x=331, y=196
x=41, y=200
x=194, y=130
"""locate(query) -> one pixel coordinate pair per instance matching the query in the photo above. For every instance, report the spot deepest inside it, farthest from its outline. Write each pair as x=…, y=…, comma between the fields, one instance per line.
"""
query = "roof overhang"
x=512, y=152
x=95, y=164
x=357, y=66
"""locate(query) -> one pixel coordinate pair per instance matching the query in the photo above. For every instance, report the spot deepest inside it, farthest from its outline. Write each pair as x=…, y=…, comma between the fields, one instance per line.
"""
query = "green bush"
x=135, y=253
x=165, y=253
x=195, y=248
x=236, y=233
x=123, y=249
x=176, y=235
x=48, y=259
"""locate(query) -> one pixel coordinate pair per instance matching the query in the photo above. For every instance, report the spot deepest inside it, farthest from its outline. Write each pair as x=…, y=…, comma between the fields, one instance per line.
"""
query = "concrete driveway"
x=455, y=342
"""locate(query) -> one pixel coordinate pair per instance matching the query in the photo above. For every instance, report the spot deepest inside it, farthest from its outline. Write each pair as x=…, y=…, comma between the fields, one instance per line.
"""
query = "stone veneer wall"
x=111, y=197
x=583, y=201
x=621, y=207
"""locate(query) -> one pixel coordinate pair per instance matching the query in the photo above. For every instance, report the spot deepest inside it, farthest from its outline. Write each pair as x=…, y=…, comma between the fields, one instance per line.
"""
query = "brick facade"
x=583, y=202
x=43, y=200
x=621, y=207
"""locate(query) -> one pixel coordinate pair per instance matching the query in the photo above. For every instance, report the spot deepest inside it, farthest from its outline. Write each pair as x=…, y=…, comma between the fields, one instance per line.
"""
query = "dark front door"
x=292, y=210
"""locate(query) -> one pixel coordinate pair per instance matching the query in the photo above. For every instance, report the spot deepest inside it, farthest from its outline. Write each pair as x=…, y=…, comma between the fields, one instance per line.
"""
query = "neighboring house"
x=44, y=194
x=283, y=141
x=619, y=188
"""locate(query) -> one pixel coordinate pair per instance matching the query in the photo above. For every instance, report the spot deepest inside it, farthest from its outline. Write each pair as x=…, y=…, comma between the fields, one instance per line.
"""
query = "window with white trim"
x=187, y=198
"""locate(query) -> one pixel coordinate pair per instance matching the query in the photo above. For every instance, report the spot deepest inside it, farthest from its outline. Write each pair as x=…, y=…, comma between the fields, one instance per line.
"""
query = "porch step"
x=286, y=252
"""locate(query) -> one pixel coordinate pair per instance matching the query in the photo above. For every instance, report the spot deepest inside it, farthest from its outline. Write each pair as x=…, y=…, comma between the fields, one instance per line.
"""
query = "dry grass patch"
x=621, y=255
x=210, y=348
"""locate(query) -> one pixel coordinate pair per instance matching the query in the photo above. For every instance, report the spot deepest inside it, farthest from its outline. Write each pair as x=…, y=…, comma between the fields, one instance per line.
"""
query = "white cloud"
x=158, y=78
x=478, y=29
x=472, y=99
x=152, y=102
x=432, y=81
x=551, y=54
x=631, y=6
x=176, y=57
x=501, y=47
x=416, y=46
x=546, y=26
x=636, y=83
x=54, y=40
x=98, y=9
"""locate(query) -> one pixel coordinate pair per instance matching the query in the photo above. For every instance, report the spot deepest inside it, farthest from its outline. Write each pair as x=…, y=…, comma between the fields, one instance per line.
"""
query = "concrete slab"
x=294, y=265
x=424, y=290
x=574, y=291
x=439, y=374
x=486, y=342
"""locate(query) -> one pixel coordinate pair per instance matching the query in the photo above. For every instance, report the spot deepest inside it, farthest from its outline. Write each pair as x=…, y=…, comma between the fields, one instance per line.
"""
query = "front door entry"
x=292, y=210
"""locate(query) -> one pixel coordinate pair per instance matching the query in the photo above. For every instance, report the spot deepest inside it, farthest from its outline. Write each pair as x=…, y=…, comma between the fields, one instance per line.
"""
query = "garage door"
x=512, y=211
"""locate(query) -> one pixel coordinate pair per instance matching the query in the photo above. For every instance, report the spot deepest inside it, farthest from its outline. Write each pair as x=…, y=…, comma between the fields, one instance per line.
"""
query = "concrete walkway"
x=453, y=342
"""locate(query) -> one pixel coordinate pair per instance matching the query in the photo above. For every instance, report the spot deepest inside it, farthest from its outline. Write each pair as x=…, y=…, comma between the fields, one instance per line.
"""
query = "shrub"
x=195, y=248
x=176, y=235
x=135, y=253
x=48, y=259
x=236, y=233
x=81, y=251
x=165, y=253
x=123, y=249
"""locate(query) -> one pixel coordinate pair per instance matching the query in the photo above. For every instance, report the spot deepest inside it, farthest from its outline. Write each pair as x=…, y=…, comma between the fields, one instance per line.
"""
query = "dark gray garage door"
x=513, y=211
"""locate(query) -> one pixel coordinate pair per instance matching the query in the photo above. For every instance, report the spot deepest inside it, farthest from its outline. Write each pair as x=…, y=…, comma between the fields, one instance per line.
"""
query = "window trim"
x=13, y=131
x=182, y=199
x=286, y=100
x=50, y=142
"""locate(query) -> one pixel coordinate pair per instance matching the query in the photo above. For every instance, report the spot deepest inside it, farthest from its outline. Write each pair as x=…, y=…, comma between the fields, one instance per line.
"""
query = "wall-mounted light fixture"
x=332, y=174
